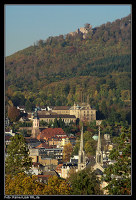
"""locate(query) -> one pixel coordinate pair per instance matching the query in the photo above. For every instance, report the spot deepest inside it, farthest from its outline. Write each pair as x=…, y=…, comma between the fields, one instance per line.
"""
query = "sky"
x=26, y=24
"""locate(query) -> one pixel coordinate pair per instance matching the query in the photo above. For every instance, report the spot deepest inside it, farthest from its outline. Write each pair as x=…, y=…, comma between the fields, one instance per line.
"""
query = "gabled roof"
x=50, y=132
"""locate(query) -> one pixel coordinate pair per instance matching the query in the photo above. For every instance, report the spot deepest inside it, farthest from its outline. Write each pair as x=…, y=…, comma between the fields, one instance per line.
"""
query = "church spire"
x=99, y=141
x=99, y=156
x=81, y=159
x=81, y=140
x=35, y=129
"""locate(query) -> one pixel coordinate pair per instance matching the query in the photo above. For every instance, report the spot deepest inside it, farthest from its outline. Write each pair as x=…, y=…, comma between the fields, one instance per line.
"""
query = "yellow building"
x=48, y=161
x=84, y=112
x=68, y=114
x=63, y=110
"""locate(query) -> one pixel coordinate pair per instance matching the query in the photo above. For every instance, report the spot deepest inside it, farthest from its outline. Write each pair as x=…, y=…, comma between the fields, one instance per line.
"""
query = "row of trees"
x=81, y=183
x=22, y=184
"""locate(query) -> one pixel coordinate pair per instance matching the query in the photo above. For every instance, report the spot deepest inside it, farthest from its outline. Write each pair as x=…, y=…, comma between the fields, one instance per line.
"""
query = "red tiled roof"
x=50, y=132
x=44, y=176
x=59, y=166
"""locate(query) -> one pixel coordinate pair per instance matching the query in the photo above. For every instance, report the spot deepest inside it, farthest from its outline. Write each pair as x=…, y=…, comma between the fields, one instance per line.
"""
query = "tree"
x=57, y=186
x=58, y=123
x=17, y=159
x=24, y=133
x=118, y=175
x=67, y=150
x=22, y=184
x=76, y=148
x=18, y=99
x=90, y=143
x=43, y=123
x=84, y=182
x=13, y=113
x=29, y=105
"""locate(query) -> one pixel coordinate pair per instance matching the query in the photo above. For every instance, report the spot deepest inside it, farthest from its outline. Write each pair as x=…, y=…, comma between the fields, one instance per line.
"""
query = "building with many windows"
x=68, y=114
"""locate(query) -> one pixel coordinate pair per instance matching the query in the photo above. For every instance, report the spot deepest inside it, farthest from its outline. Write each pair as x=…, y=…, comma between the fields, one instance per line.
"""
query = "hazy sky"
x=26, y=24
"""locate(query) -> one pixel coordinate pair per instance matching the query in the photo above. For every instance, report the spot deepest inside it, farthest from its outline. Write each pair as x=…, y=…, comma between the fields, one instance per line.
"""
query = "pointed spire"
x=74, y=105
x=99, y=141
x=99, y=156
x=81, y=140
x=81, y=159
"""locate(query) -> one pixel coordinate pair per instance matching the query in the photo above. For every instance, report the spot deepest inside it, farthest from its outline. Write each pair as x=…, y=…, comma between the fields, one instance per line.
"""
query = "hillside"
x=105, y=49
x=68, y=68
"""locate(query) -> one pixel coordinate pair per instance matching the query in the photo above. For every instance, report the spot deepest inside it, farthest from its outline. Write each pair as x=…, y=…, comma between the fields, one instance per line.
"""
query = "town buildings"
x=68, y=114
x=46, y=145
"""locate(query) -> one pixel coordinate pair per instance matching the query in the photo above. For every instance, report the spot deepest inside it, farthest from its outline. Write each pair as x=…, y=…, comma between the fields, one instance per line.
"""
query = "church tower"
x=35, y=130
x=99, y=156
x=81, y=154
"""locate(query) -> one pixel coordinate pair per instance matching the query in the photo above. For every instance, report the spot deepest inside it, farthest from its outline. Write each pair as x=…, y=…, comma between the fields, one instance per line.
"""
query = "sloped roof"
x=61, y=107
x=43, y=145
x=57, y=116
x=31, y=140
x=59, y=166
x=50, y=132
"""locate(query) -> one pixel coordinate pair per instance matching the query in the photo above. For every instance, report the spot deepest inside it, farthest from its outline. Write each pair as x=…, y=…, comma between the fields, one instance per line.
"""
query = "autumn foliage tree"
x=57, y=186
x=22, y=184
x=13, y=113
x=67, y=151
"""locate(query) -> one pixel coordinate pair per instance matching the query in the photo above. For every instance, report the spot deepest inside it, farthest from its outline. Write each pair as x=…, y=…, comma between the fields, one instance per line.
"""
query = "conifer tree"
x=17, y=159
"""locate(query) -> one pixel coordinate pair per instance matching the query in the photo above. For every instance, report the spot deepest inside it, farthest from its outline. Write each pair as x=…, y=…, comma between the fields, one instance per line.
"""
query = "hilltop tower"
x=99, y=156
x=81, y=154
x=35, y=130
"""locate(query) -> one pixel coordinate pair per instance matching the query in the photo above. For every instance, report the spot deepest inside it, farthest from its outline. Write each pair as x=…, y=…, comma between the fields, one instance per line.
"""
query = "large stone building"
x=68, y=114
x=84, y=112
x=51, y=118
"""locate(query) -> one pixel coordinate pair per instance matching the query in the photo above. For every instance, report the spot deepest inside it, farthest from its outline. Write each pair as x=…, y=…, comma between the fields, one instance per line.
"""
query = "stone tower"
x=81, y=154
x=35, y=130
x=99, y=156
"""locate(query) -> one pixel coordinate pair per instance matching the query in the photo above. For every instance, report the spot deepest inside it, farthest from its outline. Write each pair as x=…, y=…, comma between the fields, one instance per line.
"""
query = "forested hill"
x=105, y=49
x=74, y=67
